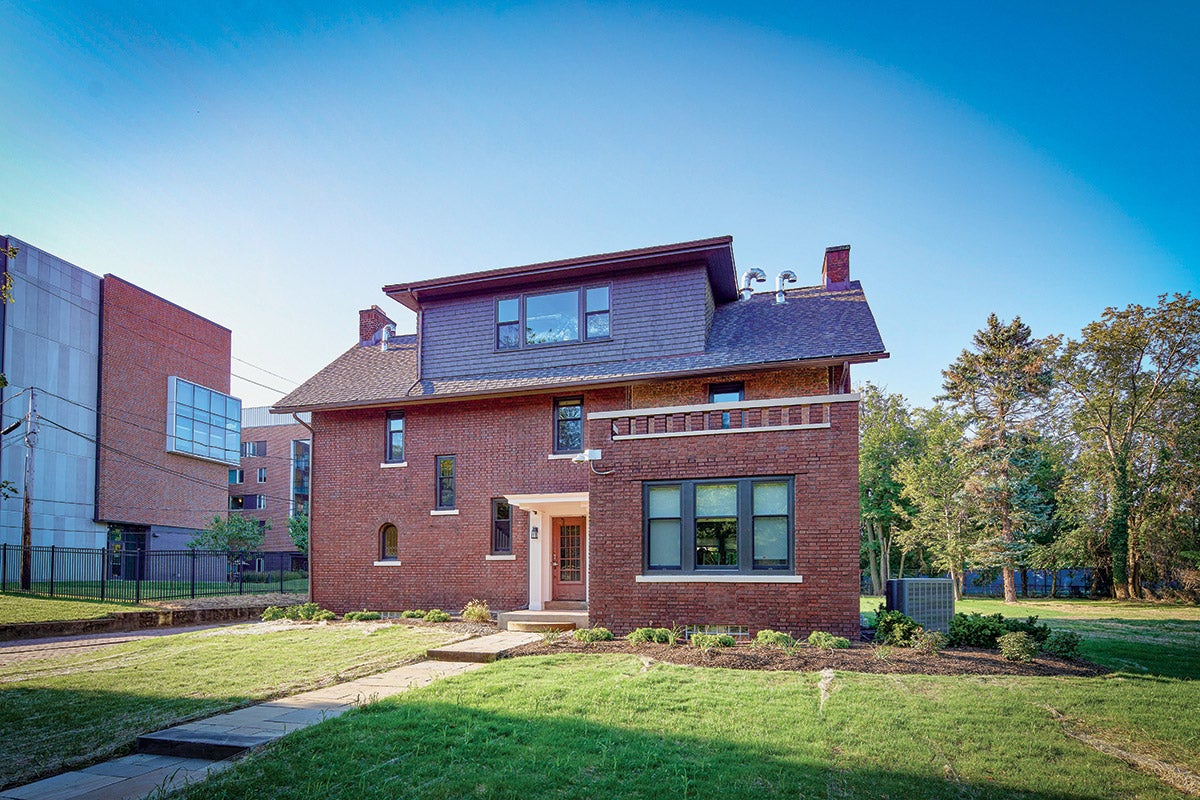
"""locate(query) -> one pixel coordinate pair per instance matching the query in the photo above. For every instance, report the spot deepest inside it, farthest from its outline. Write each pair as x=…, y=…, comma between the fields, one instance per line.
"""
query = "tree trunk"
x=1010, y=584
x=956, y=579
x=1024, y=582
x=872, y=562
x=1118, y=528
x=1053, y=583
x=903, y=555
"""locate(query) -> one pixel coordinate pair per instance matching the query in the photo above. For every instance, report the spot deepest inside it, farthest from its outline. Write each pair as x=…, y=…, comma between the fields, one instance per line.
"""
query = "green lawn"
x=1153, y=639
x=610, y=726
x=163, y=590
x=28, y=608
x=55, y=712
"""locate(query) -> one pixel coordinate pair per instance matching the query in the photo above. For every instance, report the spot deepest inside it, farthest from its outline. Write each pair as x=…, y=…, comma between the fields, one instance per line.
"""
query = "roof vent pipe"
x=787, y=276
x=385, y=335
x=755, y=274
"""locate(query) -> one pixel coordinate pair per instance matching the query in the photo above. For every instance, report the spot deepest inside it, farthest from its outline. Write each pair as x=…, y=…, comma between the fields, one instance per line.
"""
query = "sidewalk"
x=190, y=752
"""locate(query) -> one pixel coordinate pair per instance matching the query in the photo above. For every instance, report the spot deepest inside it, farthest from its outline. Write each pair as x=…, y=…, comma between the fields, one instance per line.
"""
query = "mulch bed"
x=856, y=658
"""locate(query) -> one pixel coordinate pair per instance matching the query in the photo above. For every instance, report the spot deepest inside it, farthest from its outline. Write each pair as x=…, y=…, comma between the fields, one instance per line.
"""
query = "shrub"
x=930, y=642
x=1017, y=646
x=323, y=615
x=273, y=613
x=827, y=641
x=589, y=635
x=641, y=635
x=436, y=615
x=477, y=611
x=976, y=630
x=673, y=635
x=707, y=641
x=361, y=616
x=1064, y=644
x=770, y=638
x=1039, y=633
x=896, y=628
x=666, y=636
x=413, y=614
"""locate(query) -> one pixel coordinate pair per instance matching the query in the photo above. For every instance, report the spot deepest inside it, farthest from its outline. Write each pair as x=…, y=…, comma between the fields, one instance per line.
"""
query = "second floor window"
x=445, y=483
x=568, y=425
x=254, y=449
x=262, y=474
x=574, y=315
x=394, y=451
x=728, y=393
x=236, y=476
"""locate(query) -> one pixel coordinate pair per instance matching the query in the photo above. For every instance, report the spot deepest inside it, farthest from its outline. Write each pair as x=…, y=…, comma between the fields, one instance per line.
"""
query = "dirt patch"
x=229, y=601
x=856, y=658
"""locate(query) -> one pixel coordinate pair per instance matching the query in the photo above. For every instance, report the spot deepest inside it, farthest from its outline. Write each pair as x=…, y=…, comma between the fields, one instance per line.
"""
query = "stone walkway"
x=188, y=753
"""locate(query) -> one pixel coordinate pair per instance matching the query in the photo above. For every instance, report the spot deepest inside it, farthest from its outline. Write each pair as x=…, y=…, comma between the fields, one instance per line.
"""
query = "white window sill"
x=388, y=563
x=393, y=464
x=501, y=558
x=560, y=456
x=708, y=577
x=452, y=512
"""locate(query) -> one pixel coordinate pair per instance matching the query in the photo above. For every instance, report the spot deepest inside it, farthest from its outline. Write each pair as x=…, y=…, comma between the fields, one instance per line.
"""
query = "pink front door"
x=568, y=559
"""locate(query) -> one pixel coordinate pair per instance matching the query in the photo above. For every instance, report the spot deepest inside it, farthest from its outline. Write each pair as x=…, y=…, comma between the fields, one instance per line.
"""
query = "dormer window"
x=548, y=318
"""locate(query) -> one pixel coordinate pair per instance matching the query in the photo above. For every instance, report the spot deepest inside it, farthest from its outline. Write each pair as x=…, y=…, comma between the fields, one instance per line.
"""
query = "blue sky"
x=271, y=166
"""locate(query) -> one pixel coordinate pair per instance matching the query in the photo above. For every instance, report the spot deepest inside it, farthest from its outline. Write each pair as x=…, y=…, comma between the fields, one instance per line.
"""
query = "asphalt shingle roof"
x=813, y=324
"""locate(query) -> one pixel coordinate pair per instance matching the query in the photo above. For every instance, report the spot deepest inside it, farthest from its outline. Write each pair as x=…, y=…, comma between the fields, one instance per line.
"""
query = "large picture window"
x=733, y=525
x=573, y=315
x=568, y=425
x=203, y=422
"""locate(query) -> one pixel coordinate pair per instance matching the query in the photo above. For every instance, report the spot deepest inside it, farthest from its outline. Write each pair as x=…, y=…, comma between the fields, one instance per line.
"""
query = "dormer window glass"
x=563, y=317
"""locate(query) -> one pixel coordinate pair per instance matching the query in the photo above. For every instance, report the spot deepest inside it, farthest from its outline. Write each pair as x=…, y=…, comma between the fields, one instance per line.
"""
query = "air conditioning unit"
x=930, y=601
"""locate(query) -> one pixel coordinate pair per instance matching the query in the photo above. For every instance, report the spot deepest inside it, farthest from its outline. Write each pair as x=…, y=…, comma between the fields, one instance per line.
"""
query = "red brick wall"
x=501, y=447
x=144, y=339
x=278, y=487
x=825, y=465
x=794, y=382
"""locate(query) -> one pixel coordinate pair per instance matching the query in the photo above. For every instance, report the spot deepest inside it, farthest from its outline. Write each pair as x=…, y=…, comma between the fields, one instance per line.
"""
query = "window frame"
x=582, y=316
x=437, y=483
x=388, y=434
x=745, y=527
x=383, y=548
x=209, y=430
x=729, y=387
x=238, y=473
x=496, y=521
x=554, y=441
x=262, y=475
x=254, y=449
x=237, y=502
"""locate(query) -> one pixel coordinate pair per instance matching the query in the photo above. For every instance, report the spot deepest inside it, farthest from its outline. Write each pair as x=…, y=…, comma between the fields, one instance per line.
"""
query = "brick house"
x=632, y=432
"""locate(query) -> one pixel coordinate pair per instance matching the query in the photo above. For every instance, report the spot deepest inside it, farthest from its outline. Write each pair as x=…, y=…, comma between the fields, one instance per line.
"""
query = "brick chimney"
x=370, y=322
x=835, y=271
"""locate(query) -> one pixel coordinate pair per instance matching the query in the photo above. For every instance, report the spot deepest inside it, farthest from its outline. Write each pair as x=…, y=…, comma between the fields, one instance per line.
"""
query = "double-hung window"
x=262, y=474
x=565, y=316
x=445, y=498
x=501, y=527
x=731, y=525
x=394, y=445
x=568, y=425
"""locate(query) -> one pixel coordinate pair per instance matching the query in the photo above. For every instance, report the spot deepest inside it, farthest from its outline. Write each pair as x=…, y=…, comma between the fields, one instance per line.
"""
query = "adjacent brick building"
x=137, y=428
x=272, y=483
x=630, y=432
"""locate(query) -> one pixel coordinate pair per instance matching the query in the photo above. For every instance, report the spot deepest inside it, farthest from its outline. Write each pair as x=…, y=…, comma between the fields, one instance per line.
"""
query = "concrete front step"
x=483, y=649
x=213, y=746
x=540, y=619
x=530, y=626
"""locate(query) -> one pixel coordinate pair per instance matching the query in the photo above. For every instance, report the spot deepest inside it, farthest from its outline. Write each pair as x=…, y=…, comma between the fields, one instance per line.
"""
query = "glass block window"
x=203, y=422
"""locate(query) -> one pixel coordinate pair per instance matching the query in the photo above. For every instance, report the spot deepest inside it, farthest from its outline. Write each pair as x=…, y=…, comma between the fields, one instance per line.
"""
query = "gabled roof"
x=815, y=325
x=715, y=253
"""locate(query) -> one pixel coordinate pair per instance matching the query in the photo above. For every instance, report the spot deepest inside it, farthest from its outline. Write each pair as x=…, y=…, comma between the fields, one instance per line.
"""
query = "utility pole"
x=31, y=432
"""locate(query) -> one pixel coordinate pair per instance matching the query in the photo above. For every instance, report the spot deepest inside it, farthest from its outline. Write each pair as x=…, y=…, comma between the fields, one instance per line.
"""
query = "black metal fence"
x=133, y=575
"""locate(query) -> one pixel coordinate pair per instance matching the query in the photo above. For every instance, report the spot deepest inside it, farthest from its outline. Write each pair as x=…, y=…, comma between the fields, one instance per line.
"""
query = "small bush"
x=827, y=641
x=273, y=613
x=770, y=638
x=588, y=635
x=707, y=641
x=477, y=611
x=323, y=615
x=930, y=642
x=416, y=613
x=1064, y=644
x=1017, y=646
x=896, y=628
x=1039, y=633
x=976, y=630
x=361, y=616
x=640, y=635
x=436, y=615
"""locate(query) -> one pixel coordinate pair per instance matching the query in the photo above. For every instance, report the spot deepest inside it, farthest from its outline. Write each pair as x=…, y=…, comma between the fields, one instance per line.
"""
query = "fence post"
x=281, y=565
x=103, y=570
x=137, y=578
x=193, y=574
x=52, y=570
x=241, y=568
x=4, y=567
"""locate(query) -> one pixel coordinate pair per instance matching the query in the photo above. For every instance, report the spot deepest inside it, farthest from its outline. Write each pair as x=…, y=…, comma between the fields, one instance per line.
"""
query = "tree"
x=1001, y=386
x=1127, y=381
x=298, y=531
x=885, y=438
x=234, y=534
x=934, y=482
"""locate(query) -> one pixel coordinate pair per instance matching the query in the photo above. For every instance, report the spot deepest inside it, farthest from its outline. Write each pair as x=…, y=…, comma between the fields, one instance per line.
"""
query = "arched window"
x=389, y=543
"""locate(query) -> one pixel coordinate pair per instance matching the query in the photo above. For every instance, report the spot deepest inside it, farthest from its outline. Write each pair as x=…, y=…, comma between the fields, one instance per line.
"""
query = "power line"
x=272, y=374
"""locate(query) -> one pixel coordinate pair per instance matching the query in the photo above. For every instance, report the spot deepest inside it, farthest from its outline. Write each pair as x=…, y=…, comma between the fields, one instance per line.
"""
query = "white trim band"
x=718, y=431
x=393, y=464
x=450, y=512
x=388, y=563
x=732, y=405
x=707, y=577
x=500, y=558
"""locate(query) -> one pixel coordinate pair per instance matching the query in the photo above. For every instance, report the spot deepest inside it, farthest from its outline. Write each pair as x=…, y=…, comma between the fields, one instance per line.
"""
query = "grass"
x=609, y=726
x=61, y=711
x=28, y=608
x=1152, y=639
x=161, y=590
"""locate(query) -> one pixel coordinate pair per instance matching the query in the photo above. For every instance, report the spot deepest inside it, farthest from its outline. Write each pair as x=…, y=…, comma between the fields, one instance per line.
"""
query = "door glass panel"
x=570, y=554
